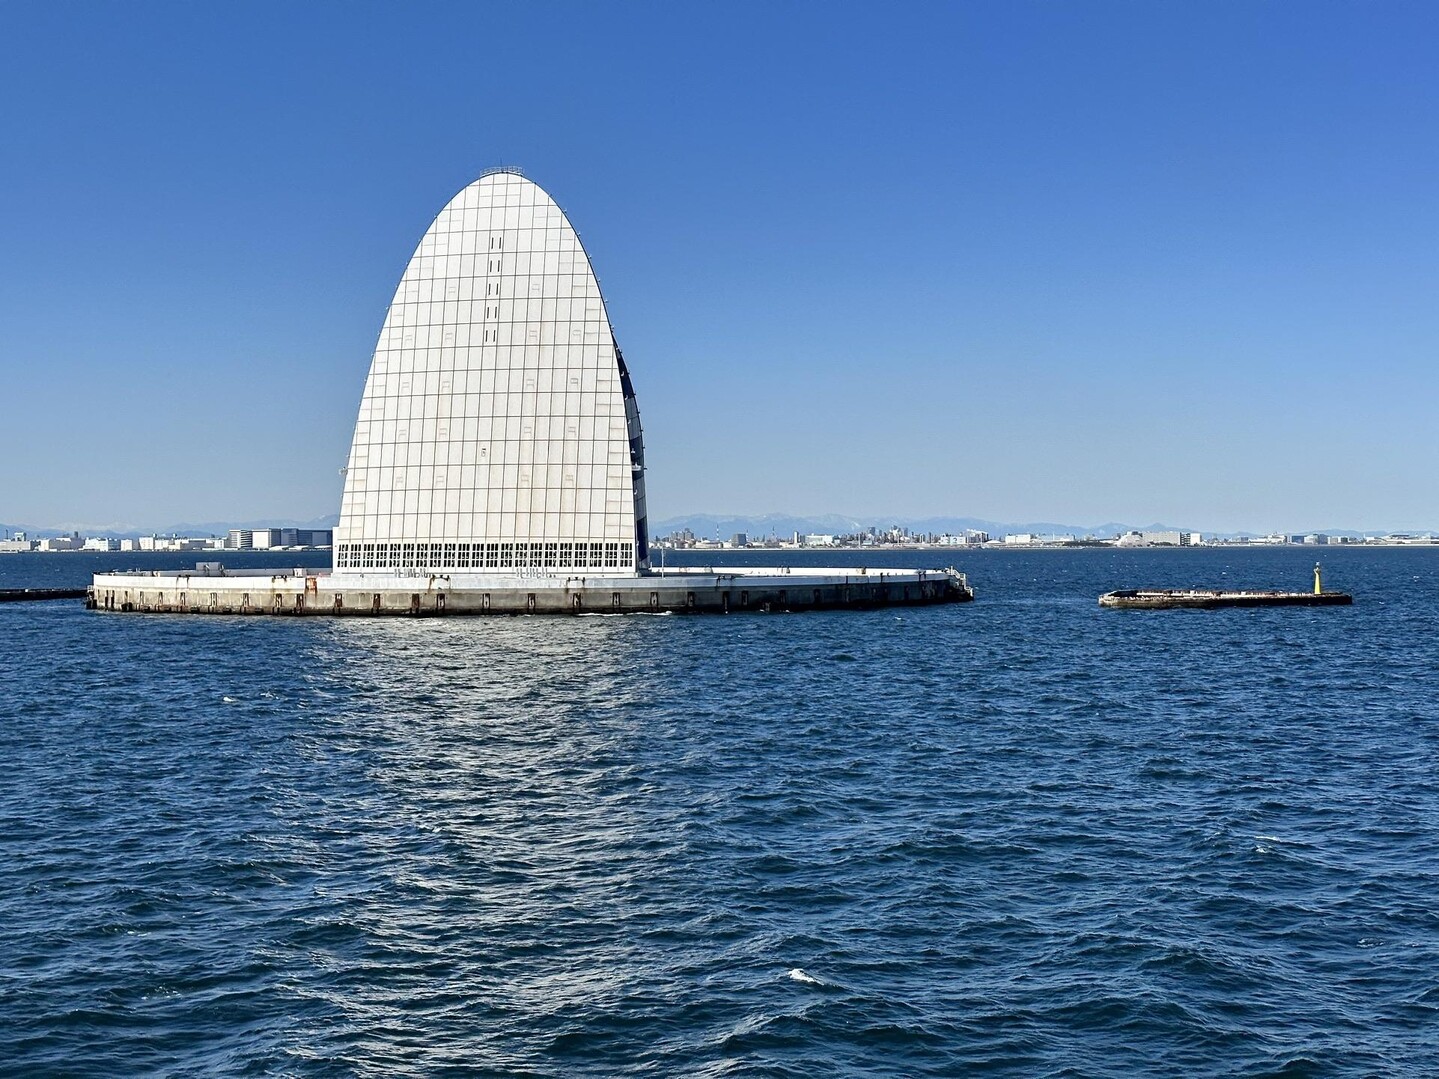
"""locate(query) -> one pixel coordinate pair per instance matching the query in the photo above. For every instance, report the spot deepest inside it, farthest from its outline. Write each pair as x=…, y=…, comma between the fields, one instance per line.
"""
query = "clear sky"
x=1066, y=261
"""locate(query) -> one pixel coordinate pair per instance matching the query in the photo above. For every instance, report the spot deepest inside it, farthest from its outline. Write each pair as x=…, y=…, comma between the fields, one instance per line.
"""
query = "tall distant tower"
x=498, y=431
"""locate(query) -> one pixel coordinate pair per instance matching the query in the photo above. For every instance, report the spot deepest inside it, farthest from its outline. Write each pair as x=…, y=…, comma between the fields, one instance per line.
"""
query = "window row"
x=602, y=425
x=464, y=287
x=401, y=379
x=381, y=474
x=554, y=262
x=534, y=288
x=473, y=312
x=502, y=334
x=471, y=359
x=500, y=556
x=591, y=416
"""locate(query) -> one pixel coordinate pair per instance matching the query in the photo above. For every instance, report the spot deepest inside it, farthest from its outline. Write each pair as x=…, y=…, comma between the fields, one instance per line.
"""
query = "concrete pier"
x=213, y=589
x=1208, y=599
x=26, y=595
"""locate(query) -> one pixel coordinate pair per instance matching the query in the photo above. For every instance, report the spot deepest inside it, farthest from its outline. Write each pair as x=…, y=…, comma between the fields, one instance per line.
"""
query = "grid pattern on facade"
x=495, y=409
x=561, y=556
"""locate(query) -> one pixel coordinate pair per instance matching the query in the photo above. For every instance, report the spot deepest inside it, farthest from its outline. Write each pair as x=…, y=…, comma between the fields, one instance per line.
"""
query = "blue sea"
x=1023, y=836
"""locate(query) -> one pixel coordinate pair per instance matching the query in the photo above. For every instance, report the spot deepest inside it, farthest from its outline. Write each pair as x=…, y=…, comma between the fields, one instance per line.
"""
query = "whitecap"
x=229, y=700
x=800, y=976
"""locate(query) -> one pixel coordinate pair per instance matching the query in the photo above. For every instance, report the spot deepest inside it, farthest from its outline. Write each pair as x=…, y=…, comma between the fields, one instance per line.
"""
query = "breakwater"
x=1209, y=599
x=212, y=589
x=30, y=595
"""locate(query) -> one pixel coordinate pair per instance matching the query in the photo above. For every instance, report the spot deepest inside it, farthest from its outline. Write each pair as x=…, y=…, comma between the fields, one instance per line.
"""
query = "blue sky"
x=1075, y=262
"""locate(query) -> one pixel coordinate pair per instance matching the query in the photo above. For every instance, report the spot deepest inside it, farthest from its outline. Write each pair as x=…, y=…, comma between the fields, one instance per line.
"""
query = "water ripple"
x=1026, y=837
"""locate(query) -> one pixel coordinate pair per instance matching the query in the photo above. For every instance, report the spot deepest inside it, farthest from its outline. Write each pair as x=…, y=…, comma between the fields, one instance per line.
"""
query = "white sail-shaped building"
x=498, y=428
x=497, y=463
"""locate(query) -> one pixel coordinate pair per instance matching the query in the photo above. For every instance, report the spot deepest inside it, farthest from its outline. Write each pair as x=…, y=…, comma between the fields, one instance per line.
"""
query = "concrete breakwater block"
x=1159, y=599
x=24, y=595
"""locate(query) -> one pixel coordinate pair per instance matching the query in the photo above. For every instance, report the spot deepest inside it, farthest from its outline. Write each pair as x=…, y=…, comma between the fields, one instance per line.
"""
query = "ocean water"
x=1023, y=836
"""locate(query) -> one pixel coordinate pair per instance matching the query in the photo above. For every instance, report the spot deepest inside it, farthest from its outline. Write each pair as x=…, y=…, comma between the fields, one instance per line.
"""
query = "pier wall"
x=430, y=596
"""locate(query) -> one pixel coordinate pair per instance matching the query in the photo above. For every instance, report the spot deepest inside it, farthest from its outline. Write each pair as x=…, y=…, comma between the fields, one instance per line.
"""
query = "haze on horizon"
x=1103, y=262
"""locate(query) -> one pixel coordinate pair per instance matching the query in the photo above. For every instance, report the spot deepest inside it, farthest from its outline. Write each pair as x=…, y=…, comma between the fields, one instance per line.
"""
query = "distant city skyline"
x=722, y=526
x=1108, y=262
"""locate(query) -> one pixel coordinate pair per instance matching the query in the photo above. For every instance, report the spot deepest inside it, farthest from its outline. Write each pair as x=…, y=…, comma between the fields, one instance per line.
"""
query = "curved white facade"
x=498, y=431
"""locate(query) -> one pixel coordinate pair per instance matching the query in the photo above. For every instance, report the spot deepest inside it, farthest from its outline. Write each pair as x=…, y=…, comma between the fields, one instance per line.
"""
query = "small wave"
x=800, y=976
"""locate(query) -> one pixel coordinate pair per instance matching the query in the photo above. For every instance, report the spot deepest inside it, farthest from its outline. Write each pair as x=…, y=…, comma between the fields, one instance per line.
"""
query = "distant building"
x=265, y=539
x=739, y=539
x=1160, y=538
x=817, y=539
x=100, y=543
x=18, y=544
